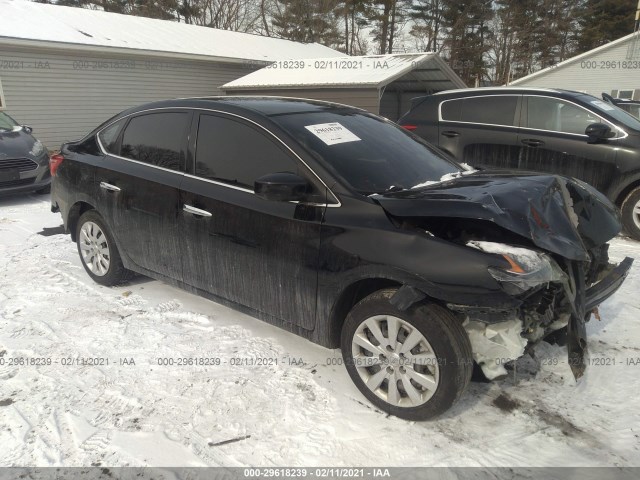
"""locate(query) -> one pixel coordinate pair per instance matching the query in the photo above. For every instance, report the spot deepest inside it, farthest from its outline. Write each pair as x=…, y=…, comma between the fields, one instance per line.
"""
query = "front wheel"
x=98, y=252
x=631, y=214
x=413, y=364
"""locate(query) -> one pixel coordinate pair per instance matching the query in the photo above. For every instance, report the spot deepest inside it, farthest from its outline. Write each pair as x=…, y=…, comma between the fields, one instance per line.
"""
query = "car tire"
x=44, y=191
x=428, y=378
x=631, y=214
x=98, y=252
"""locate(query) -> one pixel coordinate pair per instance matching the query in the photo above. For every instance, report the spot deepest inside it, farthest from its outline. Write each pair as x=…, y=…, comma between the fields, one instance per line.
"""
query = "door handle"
x=196, y=211
x=450, y=133
x=532, y=142
x=109, y=187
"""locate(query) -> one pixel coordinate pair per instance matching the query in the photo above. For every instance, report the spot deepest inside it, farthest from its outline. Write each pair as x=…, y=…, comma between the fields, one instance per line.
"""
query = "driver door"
x=254, y=252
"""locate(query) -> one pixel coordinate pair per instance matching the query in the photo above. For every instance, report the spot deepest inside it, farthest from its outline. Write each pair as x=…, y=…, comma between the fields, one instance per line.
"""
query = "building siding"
x=365, y=98
x=65, y=94
x=592, y=74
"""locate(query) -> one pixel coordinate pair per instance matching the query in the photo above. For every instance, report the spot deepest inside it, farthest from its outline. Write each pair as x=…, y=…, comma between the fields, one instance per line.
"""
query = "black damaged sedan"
x=346, y=229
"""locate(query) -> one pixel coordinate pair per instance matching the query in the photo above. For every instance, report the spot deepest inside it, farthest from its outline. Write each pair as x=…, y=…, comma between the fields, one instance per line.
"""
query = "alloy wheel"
x=395, y=361
x=636, y=214
x=94, y=249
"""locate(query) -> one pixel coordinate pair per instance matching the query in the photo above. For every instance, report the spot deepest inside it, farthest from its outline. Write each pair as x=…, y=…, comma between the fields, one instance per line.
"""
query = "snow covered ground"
x=302, y=411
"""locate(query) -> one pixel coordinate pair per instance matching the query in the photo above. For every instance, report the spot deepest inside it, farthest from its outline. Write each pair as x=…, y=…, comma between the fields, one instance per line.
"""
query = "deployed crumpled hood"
x=562, y=215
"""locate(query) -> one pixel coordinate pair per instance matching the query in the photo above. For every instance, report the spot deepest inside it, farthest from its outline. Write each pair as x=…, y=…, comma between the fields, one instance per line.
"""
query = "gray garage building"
x=613, y=68
x=381, y=84
x=65, y=70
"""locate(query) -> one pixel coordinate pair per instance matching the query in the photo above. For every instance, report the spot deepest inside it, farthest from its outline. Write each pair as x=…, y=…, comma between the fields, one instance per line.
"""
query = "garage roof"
x=405, y=70
x=69, y=27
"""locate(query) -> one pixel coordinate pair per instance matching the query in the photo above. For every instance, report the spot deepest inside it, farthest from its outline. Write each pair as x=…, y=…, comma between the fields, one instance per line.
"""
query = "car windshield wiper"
x=393, y=188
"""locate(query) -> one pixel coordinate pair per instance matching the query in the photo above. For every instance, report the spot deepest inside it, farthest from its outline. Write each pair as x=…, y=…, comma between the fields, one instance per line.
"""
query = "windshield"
x=6, y=122
x=613, y=111
x=372, y=155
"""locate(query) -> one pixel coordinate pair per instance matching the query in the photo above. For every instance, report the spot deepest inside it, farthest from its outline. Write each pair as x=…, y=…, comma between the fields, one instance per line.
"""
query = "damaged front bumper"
x=587, y=299
x=499, y=336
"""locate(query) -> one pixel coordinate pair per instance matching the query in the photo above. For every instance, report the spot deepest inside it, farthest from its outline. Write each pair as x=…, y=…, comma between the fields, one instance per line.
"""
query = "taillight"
x=410, y=127
x=54, y=162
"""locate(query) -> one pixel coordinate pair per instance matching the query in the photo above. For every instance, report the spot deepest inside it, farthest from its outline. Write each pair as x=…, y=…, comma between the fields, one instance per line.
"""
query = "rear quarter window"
x=109, y=137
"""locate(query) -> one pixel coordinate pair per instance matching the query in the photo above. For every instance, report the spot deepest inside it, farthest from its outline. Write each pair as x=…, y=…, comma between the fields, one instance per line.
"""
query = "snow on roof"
x=582, y=56
x=369, y=70
x=69, y=26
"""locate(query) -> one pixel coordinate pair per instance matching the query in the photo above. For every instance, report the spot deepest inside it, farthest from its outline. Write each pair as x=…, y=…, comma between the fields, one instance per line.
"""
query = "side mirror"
x=282, y=187
x=27, y=129
x=598, y=132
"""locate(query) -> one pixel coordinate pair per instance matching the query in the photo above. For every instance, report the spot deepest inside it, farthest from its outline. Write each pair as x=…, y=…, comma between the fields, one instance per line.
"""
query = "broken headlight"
x=527, y=268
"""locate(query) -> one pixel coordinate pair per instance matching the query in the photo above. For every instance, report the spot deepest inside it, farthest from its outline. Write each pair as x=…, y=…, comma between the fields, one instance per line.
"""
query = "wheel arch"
x=624, y=192
x=75, y=212
x=350, y=295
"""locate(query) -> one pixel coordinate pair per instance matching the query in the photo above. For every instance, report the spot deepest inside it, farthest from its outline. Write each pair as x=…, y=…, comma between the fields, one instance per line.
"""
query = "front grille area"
x=17, y=183
x=22, y=164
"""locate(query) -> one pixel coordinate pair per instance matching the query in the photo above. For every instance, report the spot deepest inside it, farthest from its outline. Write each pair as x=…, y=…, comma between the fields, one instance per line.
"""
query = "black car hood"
x=561, y=215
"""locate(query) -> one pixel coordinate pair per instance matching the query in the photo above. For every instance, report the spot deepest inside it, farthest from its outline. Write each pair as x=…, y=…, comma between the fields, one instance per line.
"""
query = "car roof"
x=264, y=105
x=464, y=92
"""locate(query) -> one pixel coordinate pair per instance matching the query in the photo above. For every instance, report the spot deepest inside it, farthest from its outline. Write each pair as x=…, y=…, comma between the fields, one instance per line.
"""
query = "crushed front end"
x=556, y=295
x=548, y=233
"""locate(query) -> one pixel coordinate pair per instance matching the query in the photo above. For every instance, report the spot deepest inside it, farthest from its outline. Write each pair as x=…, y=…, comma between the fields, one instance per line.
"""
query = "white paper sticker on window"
x=332, y=133
x=602, y=105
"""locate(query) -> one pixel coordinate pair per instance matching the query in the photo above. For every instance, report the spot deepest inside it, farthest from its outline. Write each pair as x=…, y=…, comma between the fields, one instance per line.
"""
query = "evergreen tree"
x=603, y=21
x=468, y=37
x=307, y=21
x=427, y=24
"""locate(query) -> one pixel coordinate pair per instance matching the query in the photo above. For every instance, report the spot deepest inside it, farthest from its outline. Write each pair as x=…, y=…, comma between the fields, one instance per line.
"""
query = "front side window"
x=157, y=139
x=626, y=114
x=491, y=110
x=554, y=114
x=234, y=152
x=109, y=137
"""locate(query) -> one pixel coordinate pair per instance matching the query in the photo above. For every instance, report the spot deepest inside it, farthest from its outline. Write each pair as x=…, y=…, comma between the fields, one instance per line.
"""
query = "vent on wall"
x=626, y=94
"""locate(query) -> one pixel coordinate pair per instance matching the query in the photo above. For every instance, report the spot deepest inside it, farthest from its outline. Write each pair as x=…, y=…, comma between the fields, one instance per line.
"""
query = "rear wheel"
x=413, y=364
x=631, y=214
x=98, y=252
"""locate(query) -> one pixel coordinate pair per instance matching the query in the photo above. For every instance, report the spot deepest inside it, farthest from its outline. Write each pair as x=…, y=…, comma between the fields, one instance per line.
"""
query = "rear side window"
x=109, y=137
x=493, y=110
x=236, y=153
x=157, y=139
x=554, y=114
x=451, y=110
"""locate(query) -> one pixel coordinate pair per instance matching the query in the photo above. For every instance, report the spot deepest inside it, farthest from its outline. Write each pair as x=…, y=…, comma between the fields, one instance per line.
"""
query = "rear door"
x=258, y=253
x=552, y=140
x=139, y=185
x=481, y=130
